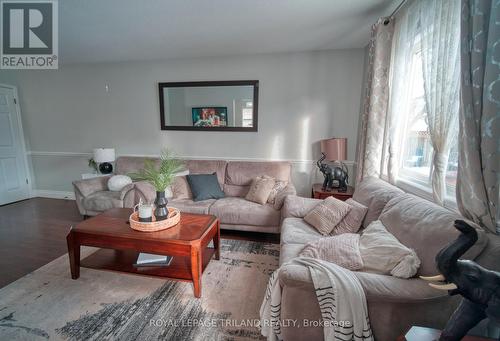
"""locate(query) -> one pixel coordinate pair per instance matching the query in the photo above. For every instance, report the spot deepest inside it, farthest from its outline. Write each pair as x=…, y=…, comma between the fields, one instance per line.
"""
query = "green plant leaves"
x=160, y=177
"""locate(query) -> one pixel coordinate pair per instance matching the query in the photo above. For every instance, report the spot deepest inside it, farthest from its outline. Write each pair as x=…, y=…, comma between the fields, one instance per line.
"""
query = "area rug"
x=102, y=305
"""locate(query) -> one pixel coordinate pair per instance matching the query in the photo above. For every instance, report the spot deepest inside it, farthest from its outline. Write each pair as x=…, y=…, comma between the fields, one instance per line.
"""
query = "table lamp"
x=334, y=149
x=103, y=156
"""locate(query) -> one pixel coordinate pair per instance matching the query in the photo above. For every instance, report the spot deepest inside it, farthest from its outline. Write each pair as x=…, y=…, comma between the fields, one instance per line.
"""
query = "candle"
x=145, y=213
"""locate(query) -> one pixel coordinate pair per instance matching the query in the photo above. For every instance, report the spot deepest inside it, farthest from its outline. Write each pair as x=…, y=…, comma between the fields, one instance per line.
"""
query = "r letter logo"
x=29, y=34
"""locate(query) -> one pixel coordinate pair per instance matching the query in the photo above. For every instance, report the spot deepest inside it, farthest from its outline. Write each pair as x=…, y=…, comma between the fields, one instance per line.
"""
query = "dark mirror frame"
x=254, y=83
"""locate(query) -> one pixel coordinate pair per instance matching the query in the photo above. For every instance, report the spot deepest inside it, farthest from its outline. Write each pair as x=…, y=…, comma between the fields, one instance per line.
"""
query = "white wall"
x=303, y=98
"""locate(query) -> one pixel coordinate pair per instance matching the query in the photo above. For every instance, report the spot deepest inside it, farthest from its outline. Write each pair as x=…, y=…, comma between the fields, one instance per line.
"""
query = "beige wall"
x=303, y=98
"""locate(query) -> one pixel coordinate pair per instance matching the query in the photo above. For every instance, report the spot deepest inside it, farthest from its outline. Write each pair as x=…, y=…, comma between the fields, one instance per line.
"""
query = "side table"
x=319, y=193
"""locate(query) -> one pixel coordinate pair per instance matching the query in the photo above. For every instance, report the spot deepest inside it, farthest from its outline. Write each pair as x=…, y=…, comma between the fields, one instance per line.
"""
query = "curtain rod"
x=388, y=19
x=397, y=9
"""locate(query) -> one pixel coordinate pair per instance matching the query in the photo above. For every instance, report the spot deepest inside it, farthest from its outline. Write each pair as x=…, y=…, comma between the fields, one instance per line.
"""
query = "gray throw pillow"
x=204, y=186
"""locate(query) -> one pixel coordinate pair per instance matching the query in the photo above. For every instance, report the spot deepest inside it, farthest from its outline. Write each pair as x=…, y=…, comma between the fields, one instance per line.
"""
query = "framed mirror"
x=209, y=106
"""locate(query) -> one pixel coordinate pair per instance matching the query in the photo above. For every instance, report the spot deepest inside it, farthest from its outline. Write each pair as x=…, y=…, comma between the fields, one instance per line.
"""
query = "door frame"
x=21, y=133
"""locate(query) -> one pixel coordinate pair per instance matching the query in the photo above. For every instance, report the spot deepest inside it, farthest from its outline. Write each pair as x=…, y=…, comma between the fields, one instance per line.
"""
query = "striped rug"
x=102, y=305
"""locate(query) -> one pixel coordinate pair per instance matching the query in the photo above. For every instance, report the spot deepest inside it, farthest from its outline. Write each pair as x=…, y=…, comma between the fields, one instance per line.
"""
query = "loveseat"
x=233, y=211
x=394, y=304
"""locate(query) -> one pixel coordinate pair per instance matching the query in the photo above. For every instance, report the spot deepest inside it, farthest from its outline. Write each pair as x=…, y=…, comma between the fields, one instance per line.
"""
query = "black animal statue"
x=334, y=177
x=479, y=287
x=327, y=173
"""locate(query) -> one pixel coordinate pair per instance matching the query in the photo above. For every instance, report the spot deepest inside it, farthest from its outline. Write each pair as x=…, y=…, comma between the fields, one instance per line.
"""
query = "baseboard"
x=53, y=194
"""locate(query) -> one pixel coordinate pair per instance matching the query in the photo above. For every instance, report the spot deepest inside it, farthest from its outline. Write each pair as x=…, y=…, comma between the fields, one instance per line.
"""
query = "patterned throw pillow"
x=326, y=215
x=353, y=220
x=260, y=189
x=279, y=186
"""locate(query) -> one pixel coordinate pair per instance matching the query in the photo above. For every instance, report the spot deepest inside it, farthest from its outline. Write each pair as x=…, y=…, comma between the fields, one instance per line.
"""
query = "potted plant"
x=160, y=176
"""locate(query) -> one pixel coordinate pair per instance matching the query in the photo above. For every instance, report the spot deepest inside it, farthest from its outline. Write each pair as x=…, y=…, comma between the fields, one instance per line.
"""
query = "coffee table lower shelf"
x=124, y=260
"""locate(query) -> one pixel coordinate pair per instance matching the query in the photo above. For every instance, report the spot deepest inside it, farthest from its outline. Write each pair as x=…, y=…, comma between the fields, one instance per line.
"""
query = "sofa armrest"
x=126, y=190
x=298, y=207
x=145, y=191
x=294, y=275
x=87, y=187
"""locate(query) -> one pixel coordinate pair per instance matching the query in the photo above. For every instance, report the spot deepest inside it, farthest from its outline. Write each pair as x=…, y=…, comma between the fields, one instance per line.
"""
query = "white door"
x=13, y=174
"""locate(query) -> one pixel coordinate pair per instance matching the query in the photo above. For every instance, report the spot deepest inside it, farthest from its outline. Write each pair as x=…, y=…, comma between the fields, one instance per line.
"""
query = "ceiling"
x=125, y=30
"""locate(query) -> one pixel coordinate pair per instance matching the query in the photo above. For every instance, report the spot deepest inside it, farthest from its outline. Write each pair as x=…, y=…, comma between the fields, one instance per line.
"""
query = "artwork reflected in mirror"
x=219, y=106
x=209, y=117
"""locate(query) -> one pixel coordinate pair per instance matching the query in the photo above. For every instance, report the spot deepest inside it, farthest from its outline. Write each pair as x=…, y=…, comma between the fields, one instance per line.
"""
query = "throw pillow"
x=204, y=186
x=342, y=250
x=260, y=189
x=279, y=186
x=281, y=196
x=382, y=253
x=327, y=214
x=353, y=220
x=117, y=182
x=180, y=188
x=169, y=192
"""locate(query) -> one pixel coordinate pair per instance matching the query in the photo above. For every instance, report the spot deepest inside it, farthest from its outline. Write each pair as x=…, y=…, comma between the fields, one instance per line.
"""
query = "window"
x=416, y=152
x=247, y=112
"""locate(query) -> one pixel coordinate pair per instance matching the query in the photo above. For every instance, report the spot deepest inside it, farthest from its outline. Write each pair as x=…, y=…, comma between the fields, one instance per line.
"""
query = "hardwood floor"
x=33, y=233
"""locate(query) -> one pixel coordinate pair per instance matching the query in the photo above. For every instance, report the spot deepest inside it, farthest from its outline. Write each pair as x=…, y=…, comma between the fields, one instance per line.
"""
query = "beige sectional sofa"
x=233, y=211
x=394, y=304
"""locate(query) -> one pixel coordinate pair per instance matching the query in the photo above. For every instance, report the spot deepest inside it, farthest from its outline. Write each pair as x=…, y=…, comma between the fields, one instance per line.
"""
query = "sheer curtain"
x=431, y=29
x=405, y=38
x=440, y=38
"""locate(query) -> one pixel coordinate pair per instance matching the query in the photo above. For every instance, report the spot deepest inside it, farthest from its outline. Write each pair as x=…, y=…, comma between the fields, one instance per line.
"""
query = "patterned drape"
x=479, y=119
x=369, y=155
x=440, y=31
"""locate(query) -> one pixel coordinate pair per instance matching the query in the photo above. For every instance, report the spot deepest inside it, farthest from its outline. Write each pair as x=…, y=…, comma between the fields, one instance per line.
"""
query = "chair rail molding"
x=83, y=154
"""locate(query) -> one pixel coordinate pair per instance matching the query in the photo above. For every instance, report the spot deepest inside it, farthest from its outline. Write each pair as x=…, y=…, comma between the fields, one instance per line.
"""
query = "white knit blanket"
x=340, y=296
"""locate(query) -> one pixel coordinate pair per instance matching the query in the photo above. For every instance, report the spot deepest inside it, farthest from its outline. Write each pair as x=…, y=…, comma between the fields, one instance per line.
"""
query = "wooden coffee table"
x=187, y=242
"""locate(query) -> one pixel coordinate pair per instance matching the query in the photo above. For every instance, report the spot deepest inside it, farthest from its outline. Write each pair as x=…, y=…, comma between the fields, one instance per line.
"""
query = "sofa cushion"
x=297, y=231
x=242, y=173
x=235, y=190
x=374, y=193
x=190, y=206
x=208, y=167
x=204, y=186
x=426, y=228
x=102, y=201
x=377, y=287
x=132, y=164
x=298, y=207
x=233, y=210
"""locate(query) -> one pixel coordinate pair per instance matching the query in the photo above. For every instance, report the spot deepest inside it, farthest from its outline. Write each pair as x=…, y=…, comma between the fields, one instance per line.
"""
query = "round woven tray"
x=174, y=216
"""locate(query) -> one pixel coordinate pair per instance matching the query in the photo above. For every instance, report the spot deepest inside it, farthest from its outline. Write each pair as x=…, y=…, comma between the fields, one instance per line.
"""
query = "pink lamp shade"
x=335, y=148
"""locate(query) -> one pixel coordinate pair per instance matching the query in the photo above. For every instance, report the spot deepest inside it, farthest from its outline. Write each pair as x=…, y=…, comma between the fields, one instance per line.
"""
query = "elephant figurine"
x=479, y=287
x=327, y=173
x=334, y=177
